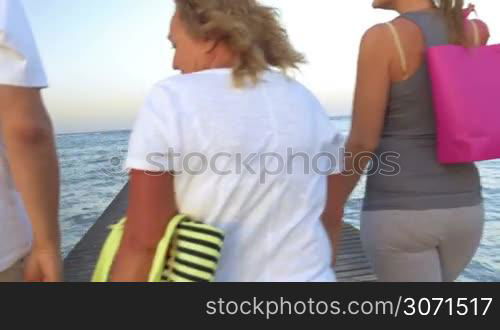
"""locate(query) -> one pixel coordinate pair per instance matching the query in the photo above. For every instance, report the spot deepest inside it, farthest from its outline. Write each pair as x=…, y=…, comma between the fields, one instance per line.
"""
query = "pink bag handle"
x=469, y=10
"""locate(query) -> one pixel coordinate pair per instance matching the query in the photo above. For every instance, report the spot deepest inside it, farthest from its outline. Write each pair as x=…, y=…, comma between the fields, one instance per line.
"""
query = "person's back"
x=421, y=220
x=246, y=163
x=410, y=131
x=237, y=145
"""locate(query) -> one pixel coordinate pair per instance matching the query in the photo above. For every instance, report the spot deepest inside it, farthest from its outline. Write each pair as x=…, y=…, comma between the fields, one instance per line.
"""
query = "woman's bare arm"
x=372, y=93
x=151, y=206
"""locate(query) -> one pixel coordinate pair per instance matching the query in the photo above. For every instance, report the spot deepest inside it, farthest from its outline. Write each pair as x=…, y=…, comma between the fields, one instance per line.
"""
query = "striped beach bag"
x=188, y=252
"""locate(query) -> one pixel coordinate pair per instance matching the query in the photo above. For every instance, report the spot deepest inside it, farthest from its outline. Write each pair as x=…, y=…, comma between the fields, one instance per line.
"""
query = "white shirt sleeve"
x=335, y=147
x=20, y=64
x=338, y=144
x=155, y=141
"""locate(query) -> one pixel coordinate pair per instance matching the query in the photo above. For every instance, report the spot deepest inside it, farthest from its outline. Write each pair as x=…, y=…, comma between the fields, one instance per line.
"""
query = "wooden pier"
x=352, y=264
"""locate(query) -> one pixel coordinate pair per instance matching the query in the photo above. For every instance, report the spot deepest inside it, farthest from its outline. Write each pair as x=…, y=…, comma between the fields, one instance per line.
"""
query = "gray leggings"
x=421, y=246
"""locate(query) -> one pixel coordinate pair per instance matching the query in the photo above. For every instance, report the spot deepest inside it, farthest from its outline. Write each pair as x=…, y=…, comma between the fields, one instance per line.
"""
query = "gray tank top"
x=409, y=130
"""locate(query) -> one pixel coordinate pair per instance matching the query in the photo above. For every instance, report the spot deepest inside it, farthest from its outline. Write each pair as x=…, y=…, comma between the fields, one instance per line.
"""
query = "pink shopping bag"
x=466, y=92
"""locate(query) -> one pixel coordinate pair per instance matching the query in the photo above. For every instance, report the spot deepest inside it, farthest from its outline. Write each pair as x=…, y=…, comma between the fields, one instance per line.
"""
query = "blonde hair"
x=452, y=11
x=250, y=30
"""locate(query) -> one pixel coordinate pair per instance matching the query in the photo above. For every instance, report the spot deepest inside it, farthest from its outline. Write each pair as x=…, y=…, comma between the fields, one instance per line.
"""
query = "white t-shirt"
x=221, y=142
x=20, y=66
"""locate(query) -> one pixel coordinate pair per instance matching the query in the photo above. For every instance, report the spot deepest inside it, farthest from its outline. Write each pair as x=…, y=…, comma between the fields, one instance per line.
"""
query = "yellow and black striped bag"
x=188, y=252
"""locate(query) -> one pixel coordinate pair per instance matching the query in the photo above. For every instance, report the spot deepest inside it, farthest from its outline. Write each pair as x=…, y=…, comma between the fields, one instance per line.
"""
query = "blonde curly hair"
x=250, y=29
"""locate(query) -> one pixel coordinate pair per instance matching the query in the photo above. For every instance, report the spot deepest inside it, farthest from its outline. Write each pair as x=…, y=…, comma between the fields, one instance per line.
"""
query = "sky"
x=102, y=57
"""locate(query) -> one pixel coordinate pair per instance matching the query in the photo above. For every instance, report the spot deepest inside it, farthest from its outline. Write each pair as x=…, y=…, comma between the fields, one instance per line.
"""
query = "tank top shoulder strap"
x=399, y=46
x=432, y=25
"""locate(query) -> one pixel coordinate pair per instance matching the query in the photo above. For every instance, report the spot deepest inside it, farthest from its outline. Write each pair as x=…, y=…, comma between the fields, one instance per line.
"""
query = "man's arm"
x=27, y=133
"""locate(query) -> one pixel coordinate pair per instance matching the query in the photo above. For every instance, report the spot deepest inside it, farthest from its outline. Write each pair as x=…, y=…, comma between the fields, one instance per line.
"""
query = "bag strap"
x=108, y=253
x=399, y=46
x=112, y=245
x=477, y=36
x=158, y=266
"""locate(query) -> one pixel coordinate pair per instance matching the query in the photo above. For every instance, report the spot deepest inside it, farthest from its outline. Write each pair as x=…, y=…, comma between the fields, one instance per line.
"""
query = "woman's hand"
x=336, y=233
x=333, y=214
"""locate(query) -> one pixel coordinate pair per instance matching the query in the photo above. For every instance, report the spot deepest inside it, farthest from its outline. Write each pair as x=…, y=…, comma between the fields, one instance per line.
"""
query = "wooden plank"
x=351, y=261
x=348, y=240
x=349, y=245
x=354, y=273
x=349, y=256
x=350, y=235
x=351, y=232
x=351, y=252
x=350, y=249
x=339, y=265
x=353, y=267
x=354, y=238
x=366, y=278
x=347, y=249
